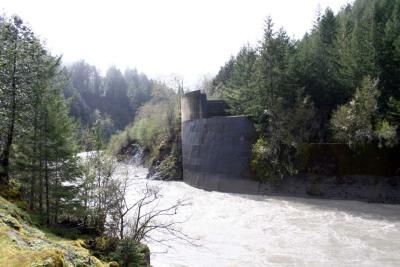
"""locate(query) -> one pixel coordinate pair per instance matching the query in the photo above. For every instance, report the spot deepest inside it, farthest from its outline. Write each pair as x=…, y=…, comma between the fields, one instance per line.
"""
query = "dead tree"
x=145, y=215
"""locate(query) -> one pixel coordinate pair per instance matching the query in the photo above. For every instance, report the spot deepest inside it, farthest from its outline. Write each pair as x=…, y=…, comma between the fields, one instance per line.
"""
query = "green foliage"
x=169, y=168
x=96, y=186
x=104, y=246
x=275, y=153
x=156, y=130
x=38, y=138
x=352, y=123
x=126, y=252
x=358, y=122
x=393, y=113
x=130, y=254
x=156, y=122
x=24, y=71
x=238, y=89
x=386, y=134
x=111, y=101
x=328, y=67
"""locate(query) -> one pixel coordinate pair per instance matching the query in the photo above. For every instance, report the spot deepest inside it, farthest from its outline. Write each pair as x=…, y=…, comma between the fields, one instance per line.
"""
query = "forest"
x=339, y=83
x=51, y=112
x=110, y=101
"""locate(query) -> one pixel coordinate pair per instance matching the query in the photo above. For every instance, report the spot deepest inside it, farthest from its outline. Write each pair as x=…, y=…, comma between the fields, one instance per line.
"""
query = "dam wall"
x=216, y=149
x=216, y=155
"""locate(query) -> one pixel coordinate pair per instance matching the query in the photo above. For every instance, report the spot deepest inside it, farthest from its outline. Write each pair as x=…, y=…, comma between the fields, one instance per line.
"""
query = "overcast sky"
x=185, y=37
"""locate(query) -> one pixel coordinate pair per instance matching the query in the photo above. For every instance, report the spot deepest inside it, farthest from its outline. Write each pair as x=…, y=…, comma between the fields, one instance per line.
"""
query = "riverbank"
x=24, y=244
x=361, y=188
x=366, y=188
x=164, y=160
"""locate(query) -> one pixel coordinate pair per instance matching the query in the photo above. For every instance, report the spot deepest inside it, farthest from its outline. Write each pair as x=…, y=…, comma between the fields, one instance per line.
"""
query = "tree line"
x=340, y=82
x=109, y=102
x=37, y=136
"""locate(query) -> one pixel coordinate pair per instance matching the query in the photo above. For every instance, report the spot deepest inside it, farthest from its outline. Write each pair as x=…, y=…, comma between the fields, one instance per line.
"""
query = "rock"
x=12, y=222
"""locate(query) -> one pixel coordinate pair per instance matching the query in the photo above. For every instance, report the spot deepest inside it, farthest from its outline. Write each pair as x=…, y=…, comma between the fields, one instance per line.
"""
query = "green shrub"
x=105, y=244
x=157, y=122
x=131, y=254
x=168, y=168
x=386, y=134
x=285, y=130
x=358, y=122
x=272, y=159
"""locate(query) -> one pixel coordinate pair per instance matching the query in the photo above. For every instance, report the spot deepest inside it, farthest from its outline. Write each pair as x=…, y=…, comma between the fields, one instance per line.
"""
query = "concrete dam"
x=216, y=155
x=216, y=148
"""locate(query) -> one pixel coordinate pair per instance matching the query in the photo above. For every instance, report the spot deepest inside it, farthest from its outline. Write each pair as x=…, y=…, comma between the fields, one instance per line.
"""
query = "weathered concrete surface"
x=362, y=188
x=216, y=151
x=216, y=108
x=193, y=106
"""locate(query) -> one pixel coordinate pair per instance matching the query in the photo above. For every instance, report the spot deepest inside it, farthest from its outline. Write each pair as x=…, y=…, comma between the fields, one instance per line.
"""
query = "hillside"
x=23, y=244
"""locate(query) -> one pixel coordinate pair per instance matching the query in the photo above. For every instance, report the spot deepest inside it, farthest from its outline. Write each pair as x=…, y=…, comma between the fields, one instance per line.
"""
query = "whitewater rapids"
x=243, y=230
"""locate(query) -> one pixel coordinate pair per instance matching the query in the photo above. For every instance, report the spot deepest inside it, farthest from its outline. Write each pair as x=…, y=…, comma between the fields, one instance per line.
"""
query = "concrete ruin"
x=216, y=148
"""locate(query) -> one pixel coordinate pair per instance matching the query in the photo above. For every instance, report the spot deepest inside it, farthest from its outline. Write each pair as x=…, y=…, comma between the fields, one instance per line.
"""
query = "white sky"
x=184, y=37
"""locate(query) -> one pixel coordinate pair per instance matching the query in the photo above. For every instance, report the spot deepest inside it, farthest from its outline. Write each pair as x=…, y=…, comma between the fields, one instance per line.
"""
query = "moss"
x=12, y=222
x=79, y=244
x=22, y=244
x=105, y=244
x=49, y=258
x=7, y=207
x=11, y=254
x=12, y=191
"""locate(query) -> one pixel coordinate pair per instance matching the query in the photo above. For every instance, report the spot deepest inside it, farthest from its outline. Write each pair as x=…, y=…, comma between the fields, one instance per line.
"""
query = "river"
x=244, y=230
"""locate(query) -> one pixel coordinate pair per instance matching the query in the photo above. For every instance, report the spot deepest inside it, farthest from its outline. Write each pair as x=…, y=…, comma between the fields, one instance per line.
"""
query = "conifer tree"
x=21, y=67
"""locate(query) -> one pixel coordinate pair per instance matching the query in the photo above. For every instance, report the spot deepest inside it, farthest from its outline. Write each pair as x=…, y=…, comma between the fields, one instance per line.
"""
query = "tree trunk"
x=46, y=173
x=5, y=156
x=41, y=187
x=85, y=201
x=34, y=169
x=46, y=178
x=121, y=233
x=57, y=204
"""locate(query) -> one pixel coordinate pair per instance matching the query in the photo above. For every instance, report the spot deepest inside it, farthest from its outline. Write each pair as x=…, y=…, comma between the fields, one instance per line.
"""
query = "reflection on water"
x=243, y=230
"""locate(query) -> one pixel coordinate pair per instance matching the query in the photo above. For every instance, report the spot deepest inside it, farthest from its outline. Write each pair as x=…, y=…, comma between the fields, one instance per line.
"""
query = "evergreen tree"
x=21, y=59
x=58, y=154
x=239, y=88
x=390, y=56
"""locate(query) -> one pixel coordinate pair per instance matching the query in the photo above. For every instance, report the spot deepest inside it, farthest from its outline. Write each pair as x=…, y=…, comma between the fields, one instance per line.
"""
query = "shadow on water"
x=364, y=210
